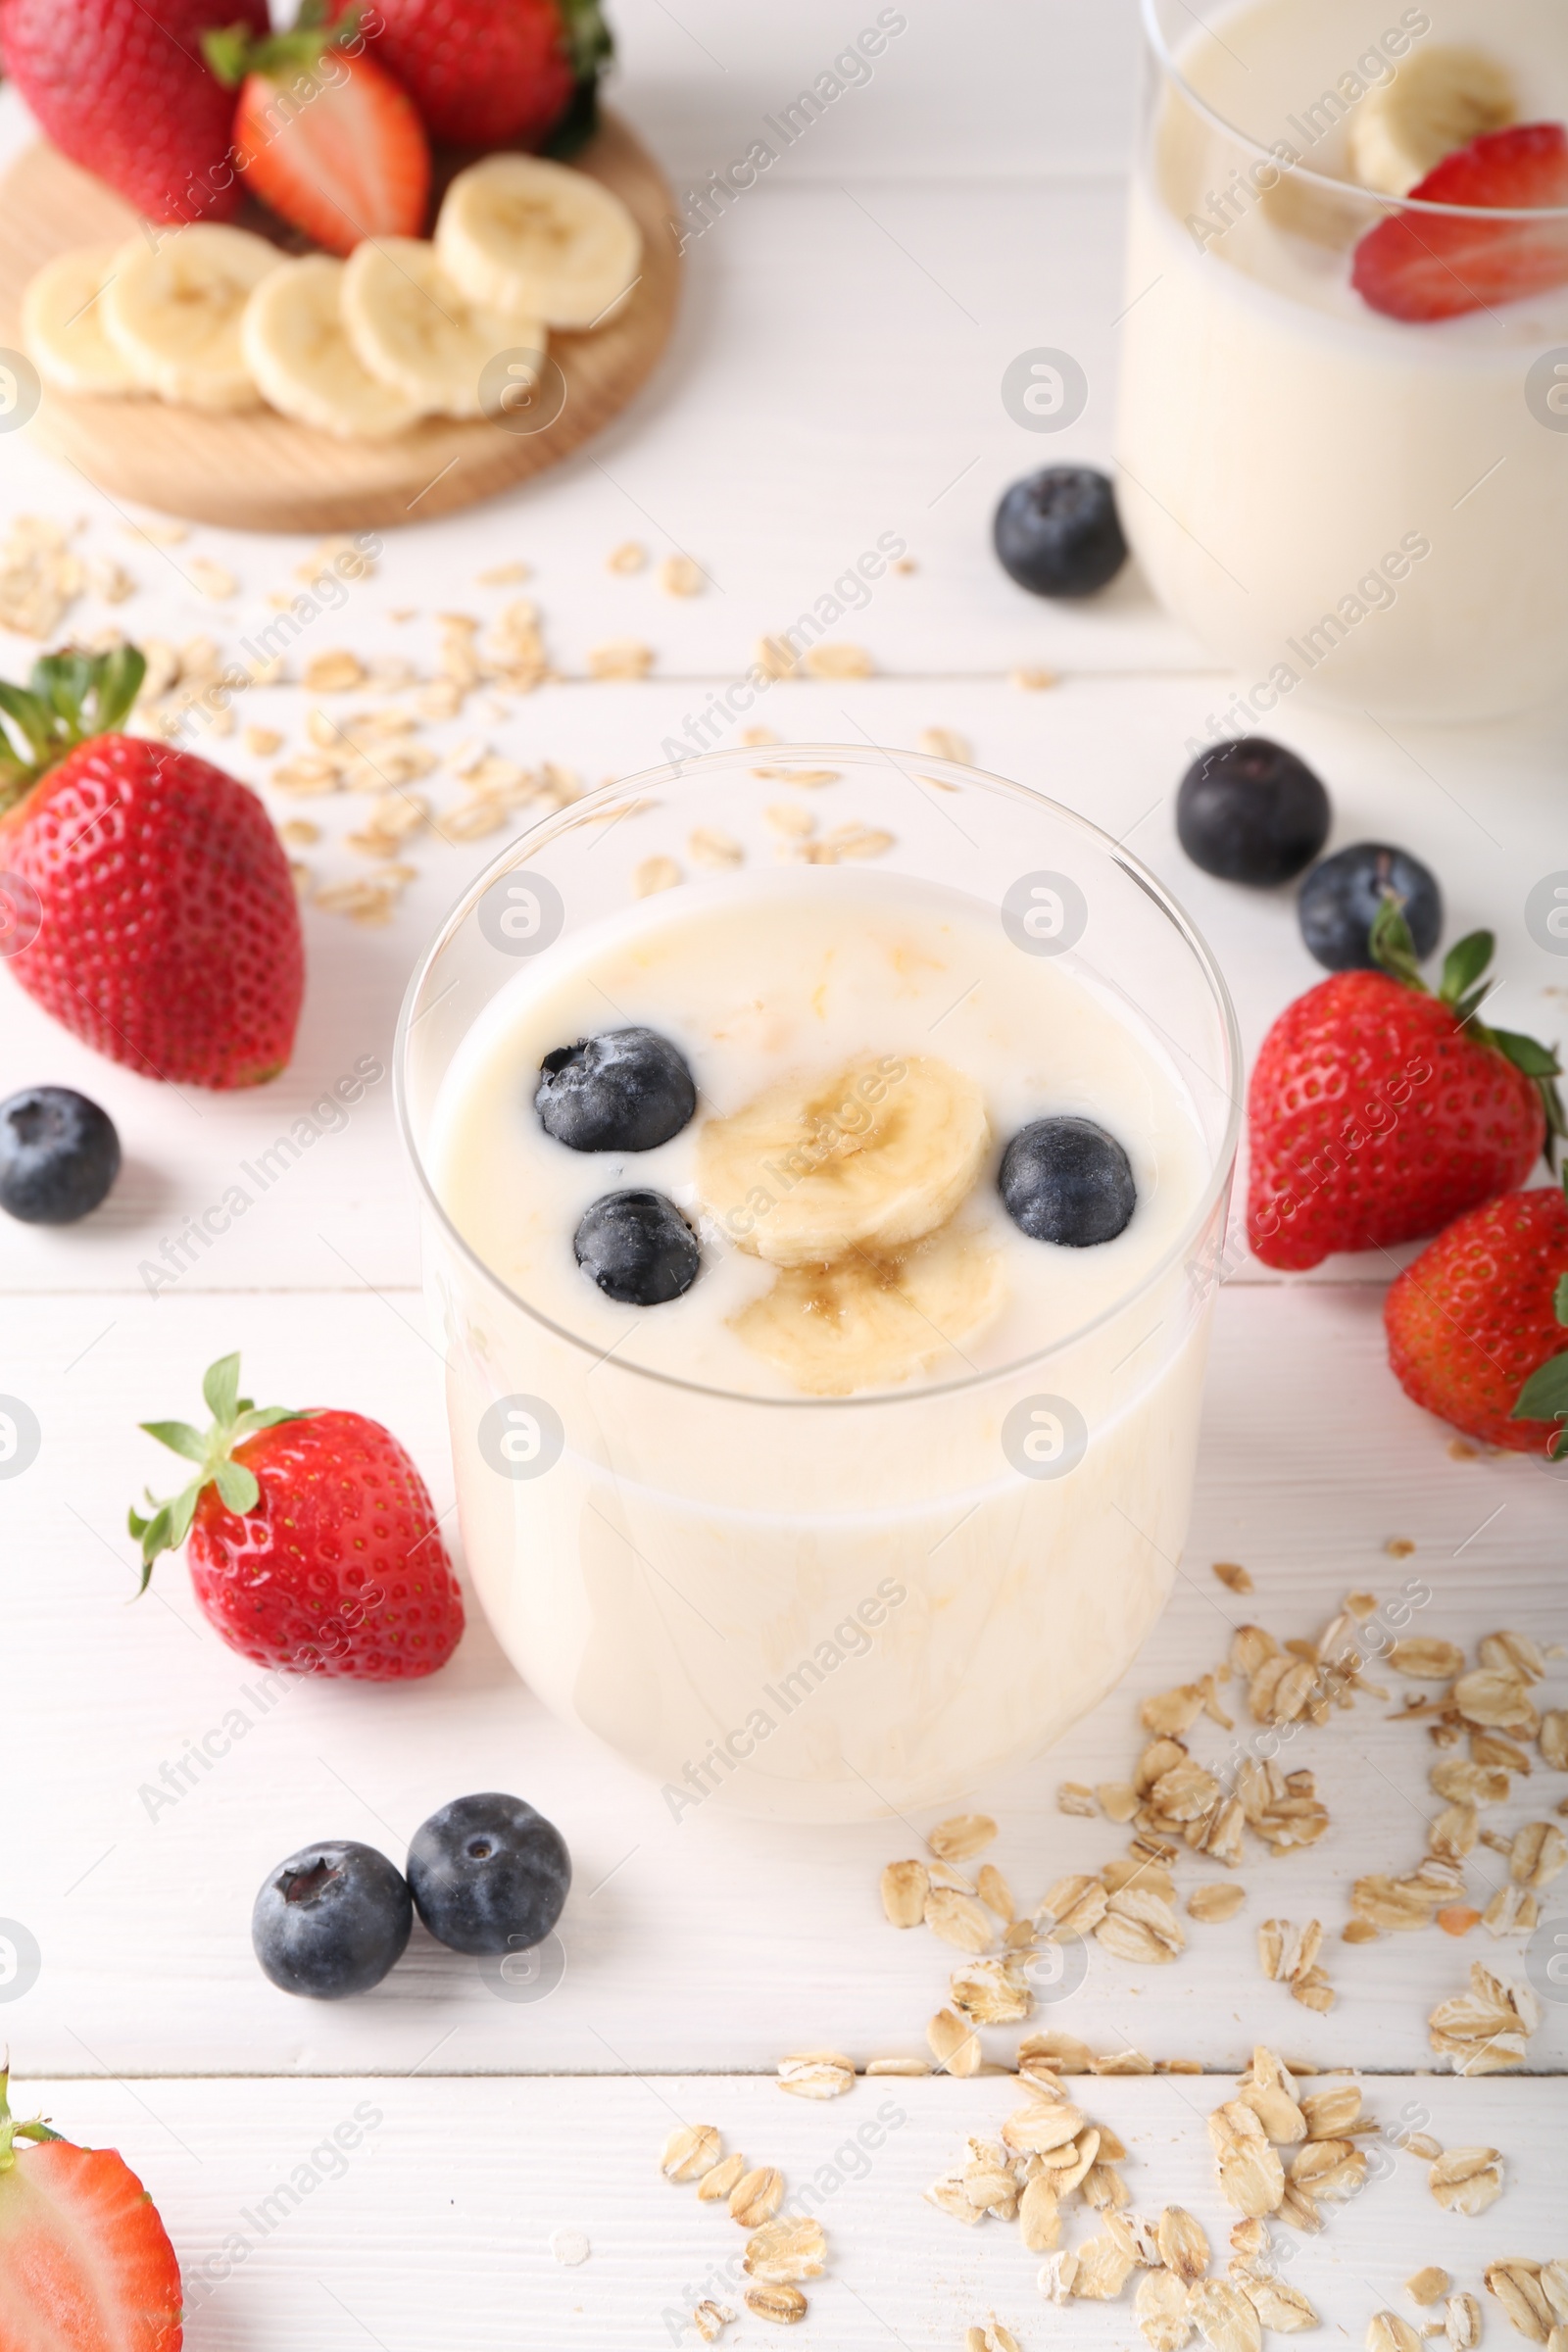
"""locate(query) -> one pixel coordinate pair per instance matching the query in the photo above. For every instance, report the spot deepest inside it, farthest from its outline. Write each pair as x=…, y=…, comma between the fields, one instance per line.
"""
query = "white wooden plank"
x=1485, y=807
x=703, y=1940
x=430, y=2230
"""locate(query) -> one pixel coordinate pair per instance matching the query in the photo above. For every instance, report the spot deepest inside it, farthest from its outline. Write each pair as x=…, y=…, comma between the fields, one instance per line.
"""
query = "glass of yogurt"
x=825, y=1157
x=1343, y=436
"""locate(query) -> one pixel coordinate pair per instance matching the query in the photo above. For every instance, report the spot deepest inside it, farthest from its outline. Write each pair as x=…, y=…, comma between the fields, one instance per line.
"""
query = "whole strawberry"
x=1475, y=1319
x=121, y=87
x=310, y=1537
x=1378, y=1113
x=152, y=910
x=488, y=73
x=85, y=2263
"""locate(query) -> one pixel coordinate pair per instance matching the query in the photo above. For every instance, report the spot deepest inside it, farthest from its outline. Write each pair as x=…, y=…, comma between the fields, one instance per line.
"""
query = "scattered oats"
x=959, y=1919
x=690, y=2151
x=995, y=1892
x=441, y=699
x=1057, y=2275
x=1105, y=2267
x=1466, y=2181
x=1515, y=1650
x=1075, y=1905
x=569, y=2246
x=1430, y=2286
x=1425, y=1659
x=620, y=657
x=990, y=1993
x=1161, y=2308
x=1553, y=1736
x=962, y=1836
x=1498, y=1698
x=785, y=2252
x=656, y=875
x=1454, y=1834
x=389, y=825
x=1251, y=2176
x=851, y=841
x=897, y=2066
x=1268, y=2089
x=1226, y=2316
x=1461, y=2320
x=371, y=902
x=1487, y=2029
x=1388, y=2332
x=839, y=661
x=211, y=579
x=1219, y=1900
x=1234, y=1576
x=298, y=833
x=1298, y=2208
x=955, y=2047
x=1183, y=2246
x=903, y=565
x=40, y=578
x=1047, y=2125
x=1518, y=2288
x=1134, y=1869
x=1399, y=1547
x=108, y=580
x=817, y=2074
x=942, y=1873
x=1461, y=1781
x=711, y=2320
x=1178, y=2066
x=1040, y=2215
x=1538, y=1855
x=950, y=2195
x=1461, y=1450
x=1074, y=1796
x=503, y=575
x=1121, y=2062
x=1169, y=1713
x=1140, y=1926
x=1118, y=1799
x=1512, y=1910
x=1187, y=1793
x=1555, y=2286
x=1422, y=2144
x=335, y=672
x=785, y=2304
x=1104, y=2187
x=721, y=2180
x=1049, y=2054
x=628, y=557
x=705, y=847
x=775, y=660
x=678, y=575
x=1279, y=2306
x=785, y=818
x=905, y=1886
x=942, y=743
x=1331, y=2114
x=1032, y=681
x=755, y=2198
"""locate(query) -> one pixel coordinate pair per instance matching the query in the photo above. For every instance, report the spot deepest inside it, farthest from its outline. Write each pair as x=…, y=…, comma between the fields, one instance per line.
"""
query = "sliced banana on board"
x=1438, y=100
x=63, y=328
x=175, y=310
x=522, y=234
x=874, y=1322
x=870, y=1157
x=297, y=348
x=413, y=328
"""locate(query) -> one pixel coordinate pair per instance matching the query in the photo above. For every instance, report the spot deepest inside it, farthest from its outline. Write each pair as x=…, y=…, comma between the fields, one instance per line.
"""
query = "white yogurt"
x=1332, y=499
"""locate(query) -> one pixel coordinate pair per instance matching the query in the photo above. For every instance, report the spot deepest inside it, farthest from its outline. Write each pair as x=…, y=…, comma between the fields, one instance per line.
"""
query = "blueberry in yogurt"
x=638, y=1248
x=1065, y=1180
x=626, y=1090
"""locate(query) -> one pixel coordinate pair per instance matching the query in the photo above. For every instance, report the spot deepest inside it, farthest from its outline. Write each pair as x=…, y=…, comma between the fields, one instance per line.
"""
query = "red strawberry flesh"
x=85, y=2264
x=348, y=162
x=1423, y=267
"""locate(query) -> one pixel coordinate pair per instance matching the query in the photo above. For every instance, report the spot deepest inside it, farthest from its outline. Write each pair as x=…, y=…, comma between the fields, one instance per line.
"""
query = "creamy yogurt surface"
x=778, y=976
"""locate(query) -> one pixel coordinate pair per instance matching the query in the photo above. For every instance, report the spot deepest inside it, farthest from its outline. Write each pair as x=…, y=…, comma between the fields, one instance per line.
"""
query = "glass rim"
x=548, y=828
x=1378, y=198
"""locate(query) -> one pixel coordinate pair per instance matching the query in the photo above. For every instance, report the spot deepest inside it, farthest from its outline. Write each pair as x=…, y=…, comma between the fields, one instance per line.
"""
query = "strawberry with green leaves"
x=85, y=2264
x=311, y=1540
x=1378, y=1111
x=145, y=898
x=1478, y=1325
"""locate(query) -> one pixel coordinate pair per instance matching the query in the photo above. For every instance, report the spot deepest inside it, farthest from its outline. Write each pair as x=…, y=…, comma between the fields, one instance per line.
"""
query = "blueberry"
x=628, y=1090
x=331, y=1920
x=638, y=1248
x=1339, y=899
x=1066, y=1179
x=489, y=1874
x=1057, y=532
x=58, y=1156
x=1252, y=812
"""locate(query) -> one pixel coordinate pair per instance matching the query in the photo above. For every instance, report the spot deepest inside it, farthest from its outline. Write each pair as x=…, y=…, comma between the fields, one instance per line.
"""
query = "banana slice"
x=413, y=329
x=870, y=1157
x=297, y=348
x=63, y=327
x=872, y=1323
x=528, y=236
x=1438, y=100
x=173, y=309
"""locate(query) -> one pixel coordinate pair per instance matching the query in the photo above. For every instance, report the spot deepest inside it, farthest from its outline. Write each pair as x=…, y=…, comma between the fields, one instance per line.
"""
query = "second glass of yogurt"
x=825, y=1157
x=1343, y=433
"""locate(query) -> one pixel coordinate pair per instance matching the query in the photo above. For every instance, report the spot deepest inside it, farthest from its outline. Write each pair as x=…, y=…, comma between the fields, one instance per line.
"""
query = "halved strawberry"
x=1426, y=265
x=85, y=2264
x=322, y=133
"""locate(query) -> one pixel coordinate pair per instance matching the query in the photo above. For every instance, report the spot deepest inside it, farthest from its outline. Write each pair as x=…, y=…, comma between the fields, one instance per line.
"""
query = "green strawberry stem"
x=590, y=46
x=1465, y=987
x=234, y=50
x=68, y=697
x=234, y=1419
x=1544, y=1395
x=10, y=2129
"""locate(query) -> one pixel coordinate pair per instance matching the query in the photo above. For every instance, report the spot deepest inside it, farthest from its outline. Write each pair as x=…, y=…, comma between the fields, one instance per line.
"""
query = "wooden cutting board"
x=262, y=472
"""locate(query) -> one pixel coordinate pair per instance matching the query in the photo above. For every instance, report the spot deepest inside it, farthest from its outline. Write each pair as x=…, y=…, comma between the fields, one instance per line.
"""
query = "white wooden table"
x=835, y=375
